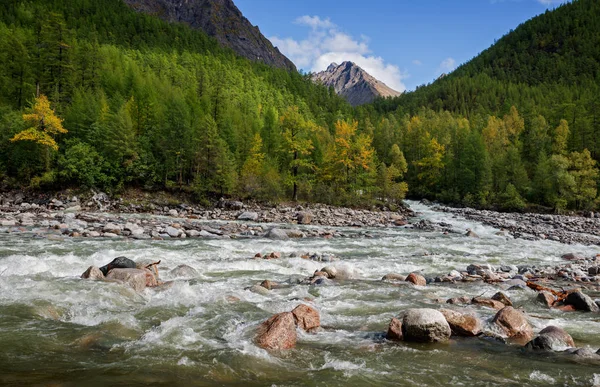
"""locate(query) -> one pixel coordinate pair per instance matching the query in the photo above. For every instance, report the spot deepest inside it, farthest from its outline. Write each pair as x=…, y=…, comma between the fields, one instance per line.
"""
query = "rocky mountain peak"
x=220, y=19
x=353, y=83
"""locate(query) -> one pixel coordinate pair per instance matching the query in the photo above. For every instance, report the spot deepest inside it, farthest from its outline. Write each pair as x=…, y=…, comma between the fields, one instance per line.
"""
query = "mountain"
x=353, y=83
x=220, y=19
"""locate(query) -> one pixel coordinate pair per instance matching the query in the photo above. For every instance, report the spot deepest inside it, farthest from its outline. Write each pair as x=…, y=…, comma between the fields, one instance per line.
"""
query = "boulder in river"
x=425, y=325
x=93, y=273
x=304, y=217
x=135, y=278
x=394, y=332
x=278, y=332
x=462, y=324
x=483, y=301
x=514, y=324
x=573, y=257
x=306, y=317
x=416, y=279
x=552, y=338
x=471, y=234
x=394, y=277
x=330, y=271
x=184, y=271
x=546, y=298
x=503, y=298
x=118, y=263
x=581, y=301
x=277, y=233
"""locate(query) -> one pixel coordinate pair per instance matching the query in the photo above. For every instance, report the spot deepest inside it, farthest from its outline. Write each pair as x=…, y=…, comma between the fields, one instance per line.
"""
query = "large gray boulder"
x=248, y=216
x=277, y=233
x=582, y=301
x=425, y=325
x=552, y=339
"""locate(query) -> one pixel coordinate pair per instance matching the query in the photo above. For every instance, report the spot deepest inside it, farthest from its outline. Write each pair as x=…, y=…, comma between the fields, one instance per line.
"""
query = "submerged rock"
x=93, y=273
x=514, y=324
x=278, y=332
x=503, y=298
x=546, y=298
x=462, y=324
x=184, y=271
x=394, y=277
x=306, y=317
x=487, y=302
x=425, y=325
x=552, y=338
x=135, y=278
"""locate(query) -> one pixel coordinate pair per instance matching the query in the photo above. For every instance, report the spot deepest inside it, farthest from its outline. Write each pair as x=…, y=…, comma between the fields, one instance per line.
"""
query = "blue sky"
x=404, y=43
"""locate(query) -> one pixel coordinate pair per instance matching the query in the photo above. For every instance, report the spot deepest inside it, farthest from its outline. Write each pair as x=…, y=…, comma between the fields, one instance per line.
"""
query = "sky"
x=404, y=43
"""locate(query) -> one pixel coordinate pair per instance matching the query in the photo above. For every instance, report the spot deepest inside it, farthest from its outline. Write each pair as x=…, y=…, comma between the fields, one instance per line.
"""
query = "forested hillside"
x=134, y=101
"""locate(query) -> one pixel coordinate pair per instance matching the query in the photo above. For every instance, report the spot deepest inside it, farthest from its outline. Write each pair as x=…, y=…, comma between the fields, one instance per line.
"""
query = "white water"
x=199, y=331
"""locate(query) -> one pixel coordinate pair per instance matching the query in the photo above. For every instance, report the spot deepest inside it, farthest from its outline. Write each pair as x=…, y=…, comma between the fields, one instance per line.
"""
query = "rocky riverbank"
x=531, y=226
x=99, y=216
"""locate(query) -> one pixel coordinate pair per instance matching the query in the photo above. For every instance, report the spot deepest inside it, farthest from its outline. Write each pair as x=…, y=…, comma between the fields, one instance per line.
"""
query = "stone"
x=278, y=332
x=573, y=257
x=306, y=317
x=93, y=273
x=514, y=324
x=248, y=216
x=173, y=213
x=394, y=332
x=73, y=209
x=459, y=300
x=135, y=278
x=503, y=298
x=295, y=234
x=425, y=325
x=304, y=217
x=8, y=223
x=111, y=228
x=118, y=263
x=259, y=290
x=488, y=302
x=151, y=278
x=330, y=271
x=277, y=233
x=173, y=232
x=416, y=279
x=552, y=338
x=394, y=277
x=546, y=298
x=471, y=234
x=269, y=285
x=462, y=324
x=184, y=271
x=582, y=302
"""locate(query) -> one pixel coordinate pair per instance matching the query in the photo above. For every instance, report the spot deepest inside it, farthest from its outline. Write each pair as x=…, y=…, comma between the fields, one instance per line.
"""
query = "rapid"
x=58, y=329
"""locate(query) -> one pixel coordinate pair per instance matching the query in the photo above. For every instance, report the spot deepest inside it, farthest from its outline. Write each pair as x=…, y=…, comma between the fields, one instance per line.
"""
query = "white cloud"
x=326, y=44
x=447, y=66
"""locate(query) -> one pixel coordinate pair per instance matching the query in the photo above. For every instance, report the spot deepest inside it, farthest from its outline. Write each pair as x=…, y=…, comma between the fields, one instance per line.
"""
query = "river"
x=56, y=329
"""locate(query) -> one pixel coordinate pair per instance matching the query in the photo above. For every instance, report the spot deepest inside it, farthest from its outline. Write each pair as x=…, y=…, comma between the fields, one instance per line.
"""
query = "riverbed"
x=58, y=329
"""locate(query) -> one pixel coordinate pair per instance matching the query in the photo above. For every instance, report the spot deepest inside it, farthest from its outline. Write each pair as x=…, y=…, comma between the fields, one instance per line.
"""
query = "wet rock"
x=488, y=302
x=331, y=271
x=514, y=324
x=459, y=300
x=416, y=279
x=306, y=317
x=585, y=353
x=111, y=228
x=248, y=216
x=278, y=332
x=394, y=277
x=259, y=290
x=515, y=282
x=269, y=285
x=581, y=302
x=135, y=278
x=425, y=325
x=277, y=233
x=295, y=234
x=118, y=263
x=304, y=217
x=173, y=213
x=503, y=298
x=152, y=280
x=394, y=332
x=462, y=324
x=184, y=271
x=173, y=232
x=471, y=234
x=546, y=298
x=552, y=338
x=93, y=273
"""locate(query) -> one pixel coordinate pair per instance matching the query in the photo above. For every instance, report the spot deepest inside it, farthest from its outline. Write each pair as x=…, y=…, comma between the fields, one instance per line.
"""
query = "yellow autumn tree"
x=44, y=124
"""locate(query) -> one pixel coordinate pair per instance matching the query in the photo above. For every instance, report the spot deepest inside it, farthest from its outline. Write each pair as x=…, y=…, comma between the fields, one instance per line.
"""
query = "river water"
x=56, y=329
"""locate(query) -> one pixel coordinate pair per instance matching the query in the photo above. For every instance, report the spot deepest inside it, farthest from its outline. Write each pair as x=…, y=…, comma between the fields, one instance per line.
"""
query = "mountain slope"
x=220, y=19
x=353, y=83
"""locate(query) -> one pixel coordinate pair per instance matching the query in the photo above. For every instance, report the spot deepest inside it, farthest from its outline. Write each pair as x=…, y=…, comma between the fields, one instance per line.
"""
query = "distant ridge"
x=220, y=19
